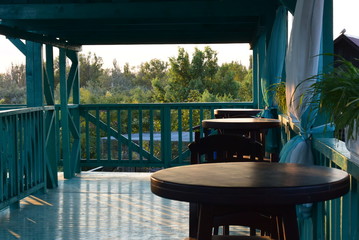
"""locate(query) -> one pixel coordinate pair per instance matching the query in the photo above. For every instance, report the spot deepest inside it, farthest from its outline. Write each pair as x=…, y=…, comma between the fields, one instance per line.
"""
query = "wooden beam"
x=39, y=38
x=136, y=10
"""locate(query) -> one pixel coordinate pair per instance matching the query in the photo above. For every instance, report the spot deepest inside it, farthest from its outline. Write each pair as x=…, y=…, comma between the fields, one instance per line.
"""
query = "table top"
x=250, y=183
x=241, y=123
x=237, y=112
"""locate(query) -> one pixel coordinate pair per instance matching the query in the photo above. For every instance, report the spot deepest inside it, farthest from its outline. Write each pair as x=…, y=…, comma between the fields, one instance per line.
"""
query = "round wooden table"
x=236, y=112
x=255, y=128
x=275, y=185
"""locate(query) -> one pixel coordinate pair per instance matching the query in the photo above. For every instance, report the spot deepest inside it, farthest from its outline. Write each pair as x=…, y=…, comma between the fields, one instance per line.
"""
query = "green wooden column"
x=35, y=95
x=51, y=141
x=73, y=84
x=255, y=76
x=328, y=43
x=259, y=54
x=70, y=117
x=34, y=75
x=64, y=116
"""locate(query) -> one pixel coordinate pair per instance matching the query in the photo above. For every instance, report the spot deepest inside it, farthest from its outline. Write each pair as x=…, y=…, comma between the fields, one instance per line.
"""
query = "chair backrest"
x=225, y=148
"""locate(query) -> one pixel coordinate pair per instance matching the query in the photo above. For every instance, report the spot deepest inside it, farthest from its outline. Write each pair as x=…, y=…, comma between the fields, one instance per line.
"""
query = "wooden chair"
x=225, y=148
x=229, y=148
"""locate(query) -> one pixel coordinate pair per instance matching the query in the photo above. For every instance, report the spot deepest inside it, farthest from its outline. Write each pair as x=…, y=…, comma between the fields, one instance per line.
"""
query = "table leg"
x=289, y=222
x=193, y=219
x=205, y=222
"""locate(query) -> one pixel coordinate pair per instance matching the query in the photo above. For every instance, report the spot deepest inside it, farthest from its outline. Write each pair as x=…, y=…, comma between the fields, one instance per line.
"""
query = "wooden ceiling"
x=72, y=23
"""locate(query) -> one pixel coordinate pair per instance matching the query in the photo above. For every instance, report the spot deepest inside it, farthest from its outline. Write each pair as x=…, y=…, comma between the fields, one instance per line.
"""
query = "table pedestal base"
x=285, y=226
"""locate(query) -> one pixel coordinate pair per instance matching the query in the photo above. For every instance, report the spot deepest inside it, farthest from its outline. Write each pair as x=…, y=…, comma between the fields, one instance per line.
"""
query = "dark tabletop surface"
x=241, y=123
x=237, y=111
x=250, y=183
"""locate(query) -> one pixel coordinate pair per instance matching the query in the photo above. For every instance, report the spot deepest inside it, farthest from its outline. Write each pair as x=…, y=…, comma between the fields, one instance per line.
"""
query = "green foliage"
x=279, y=93
x=336, y=94
x=154, y=69
x=202, y=78
x=91, y=71
x=246, y=87
x=12, y=86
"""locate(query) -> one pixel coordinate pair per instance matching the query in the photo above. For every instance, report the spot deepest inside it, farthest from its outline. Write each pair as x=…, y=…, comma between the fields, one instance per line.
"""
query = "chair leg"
x=252, y=231
x=226, y=230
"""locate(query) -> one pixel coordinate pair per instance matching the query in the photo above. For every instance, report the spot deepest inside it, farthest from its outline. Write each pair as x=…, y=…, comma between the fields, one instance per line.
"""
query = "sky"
x=345, y=16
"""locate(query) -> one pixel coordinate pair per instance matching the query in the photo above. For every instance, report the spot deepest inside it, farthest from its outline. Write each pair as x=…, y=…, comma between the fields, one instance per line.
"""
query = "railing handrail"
x=160, y=105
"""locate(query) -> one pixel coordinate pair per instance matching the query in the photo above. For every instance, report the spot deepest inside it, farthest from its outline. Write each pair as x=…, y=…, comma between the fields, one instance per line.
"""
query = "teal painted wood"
x=166, y=136
x=336, y=219
x=129, y=131
x=327, y=35
x=98, y=137
x=142, y=135
x=22, y=164
x=34, y=74
x=64, y=116
x=74, y=118
x=119, y=130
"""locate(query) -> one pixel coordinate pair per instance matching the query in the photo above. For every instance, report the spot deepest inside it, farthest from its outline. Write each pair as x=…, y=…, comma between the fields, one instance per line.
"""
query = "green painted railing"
x=22, y=164
x=336, y=219
x=142, y=135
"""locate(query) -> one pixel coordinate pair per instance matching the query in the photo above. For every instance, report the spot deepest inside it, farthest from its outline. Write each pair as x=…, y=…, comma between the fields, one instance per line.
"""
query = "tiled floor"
x=113, y=206
x=116, y=206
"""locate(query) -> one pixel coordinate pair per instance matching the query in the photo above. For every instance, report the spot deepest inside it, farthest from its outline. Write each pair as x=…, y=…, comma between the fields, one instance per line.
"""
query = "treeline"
x=198, y=78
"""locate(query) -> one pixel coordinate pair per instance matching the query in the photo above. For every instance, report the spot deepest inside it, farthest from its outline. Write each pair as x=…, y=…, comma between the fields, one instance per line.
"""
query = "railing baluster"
x=180, y=135
x=87, y=137
x=119, y=131
x=98, y=136
x=140, y=132
x=109, y=140
x=129, y=132
x=190, y=113
x=151, y=134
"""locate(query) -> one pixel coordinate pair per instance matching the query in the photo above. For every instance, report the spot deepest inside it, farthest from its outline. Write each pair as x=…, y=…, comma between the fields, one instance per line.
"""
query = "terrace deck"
x=97, y=205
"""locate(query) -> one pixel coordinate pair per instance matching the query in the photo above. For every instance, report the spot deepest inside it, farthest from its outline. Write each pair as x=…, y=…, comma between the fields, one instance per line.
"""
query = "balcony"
x=104, y=205
x=42, y=138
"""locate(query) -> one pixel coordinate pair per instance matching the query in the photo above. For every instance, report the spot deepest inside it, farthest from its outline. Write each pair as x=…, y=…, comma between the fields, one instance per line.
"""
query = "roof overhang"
x=71, y=25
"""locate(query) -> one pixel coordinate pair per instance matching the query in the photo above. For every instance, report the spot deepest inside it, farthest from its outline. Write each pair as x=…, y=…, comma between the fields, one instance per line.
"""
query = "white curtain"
x=302, y=62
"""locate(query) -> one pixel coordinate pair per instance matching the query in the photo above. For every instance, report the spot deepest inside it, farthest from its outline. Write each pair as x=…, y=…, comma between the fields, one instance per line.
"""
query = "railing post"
x=166, y=136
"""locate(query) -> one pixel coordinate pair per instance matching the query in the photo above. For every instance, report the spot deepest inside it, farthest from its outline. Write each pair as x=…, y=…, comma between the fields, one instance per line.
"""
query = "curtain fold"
x=302, y=62
x=273, y=69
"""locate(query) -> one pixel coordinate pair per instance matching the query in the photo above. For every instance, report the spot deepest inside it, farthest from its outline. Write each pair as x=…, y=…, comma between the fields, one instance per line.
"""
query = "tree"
x=17, y=73
x=121, y=81
x=246, y=88
x=179, y=77
x=12, y=87
x=91, y=70
x=148, y=71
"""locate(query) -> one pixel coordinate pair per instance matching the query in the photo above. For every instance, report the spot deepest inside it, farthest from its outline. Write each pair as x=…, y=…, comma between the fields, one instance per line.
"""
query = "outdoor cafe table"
x=236, y=112
x=279, y=186
x=255, y=126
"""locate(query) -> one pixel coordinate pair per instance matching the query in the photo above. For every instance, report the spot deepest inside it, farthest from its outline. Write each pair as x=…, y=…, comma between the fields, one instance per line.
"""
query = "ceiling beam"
x=136, y=10
x=16, y=33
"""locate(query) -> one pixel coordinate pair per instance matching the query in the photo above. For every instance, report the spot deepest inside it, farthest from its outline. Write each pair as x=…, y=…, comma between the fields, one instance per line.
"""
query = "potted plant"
x=277, y=90
x=336, y=94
